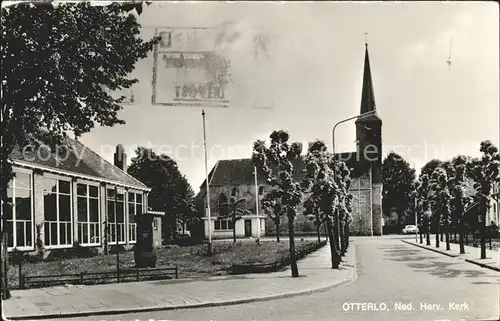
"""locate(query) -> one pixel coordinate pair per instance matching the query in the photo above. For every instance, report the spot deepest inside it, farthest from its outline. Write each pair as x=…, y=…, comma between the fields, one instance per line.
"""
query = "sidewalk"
x=314, y=276
x=472, y=254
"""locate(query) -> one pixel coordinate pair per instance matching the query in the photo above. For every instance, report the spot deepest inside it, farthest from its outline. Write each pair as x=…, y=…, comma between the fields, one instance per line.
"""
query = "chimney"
x=120, y=158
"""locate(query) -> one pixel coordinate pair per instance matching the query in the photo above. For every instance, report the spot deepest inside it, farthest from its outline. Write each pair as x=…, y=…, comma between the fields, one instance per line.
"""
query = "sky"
x=309, y=77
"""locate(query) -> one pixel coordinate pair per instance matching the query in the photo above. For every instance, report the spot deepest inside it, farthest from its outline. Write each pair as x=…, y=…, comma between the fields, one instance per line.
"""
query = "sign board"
x=189, y=69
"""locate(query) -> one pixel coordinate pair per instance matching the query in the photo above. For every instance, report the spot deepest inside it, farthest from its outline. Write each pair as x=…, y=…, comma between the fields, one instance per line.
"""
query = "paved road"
x=391, y=274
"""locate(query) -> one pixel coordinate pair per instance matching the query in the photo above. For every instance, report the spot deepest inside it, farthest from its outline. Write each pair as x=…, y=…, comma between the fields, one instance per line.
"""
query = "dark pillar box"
x=144, y=253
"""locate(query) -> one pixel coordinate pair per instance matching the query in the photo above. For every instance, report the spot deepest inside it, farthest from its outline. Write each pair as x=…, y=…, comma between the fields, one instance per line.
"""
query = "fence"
x=89, y=278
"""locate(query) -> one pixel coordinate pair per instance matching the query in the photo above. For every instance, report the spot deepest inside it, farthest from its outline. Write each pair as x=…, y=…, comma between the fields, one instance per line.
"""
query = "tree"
x=311, y=210
x=423, y=202
x=343, y=181
x=459, y=198
x=429, y=167
x=275, y=162
x=397, y=179
x=170, y=190
x=234, y=210
x=323, y=192
x=56, y=74
x=485, y=172
x=271, y=204
x=440, y=203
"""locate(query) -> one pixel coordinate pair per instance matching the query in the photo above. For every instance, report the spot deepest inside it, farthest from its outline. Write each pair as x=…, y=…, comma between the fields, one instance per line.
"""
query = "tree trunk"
x=482, y=227
x=346, y=236
x=341, y=237
x=277, y=229
x=234, y=232
x=329, y=226
x=319, y=235
x=293, y=260
x=461, y=232
x=447, y=237
x=338, y=257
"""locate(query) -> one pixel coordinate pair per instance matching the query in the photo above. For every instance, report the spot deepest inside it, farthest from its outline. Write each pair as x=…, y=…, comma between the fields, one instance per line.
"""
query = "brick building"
x=235, y=177
x=69, y=195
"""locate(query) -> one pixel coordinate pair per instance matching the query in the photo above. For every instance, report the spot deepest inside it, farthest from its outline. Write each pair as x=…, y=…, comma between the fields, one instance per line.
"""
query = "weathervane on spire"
x=366, y=39
x=449, y=58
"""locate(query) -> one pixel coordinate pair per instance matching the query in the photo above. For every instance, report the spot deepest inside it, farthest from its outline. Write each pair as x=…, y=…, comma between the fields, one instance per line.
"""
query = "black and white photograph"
x=250, y=160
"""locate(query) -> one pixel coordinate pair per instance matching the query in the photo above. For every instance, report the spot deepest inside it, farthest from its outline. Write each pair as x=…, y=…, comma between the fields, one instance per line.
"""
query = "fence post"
x=81, y=277
x=137, y=274
x=21, y=282
x=176, y=273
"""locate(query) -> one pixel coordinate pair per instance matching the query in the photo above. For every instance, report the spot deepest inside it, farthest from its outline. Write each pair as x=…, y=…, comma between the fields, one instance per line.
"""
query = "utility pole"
x=257, y=205
x=207, y=186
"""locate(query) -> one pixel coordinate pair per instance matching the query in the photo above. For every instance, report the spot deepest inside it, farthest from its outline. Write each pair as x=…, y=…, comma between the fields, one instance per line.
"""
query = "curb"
x=352, y=276
x=486, y=266
x=430, y=249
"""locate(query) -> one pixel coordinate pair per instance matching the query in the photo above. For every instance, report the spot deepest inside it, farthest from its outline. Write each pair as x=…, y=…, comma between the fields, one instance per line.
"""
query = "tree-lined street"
x=389, y=272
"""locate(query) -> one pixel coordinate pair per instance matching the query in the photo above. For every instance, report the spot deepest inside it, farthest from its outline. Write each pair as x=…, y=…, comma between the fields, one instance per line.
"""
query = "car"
x=410, y=229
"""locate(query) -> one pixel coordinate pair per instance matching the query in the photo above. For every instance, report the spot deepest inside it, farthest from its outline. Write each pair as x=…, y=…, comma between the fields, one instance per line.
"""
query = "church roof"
x=367, y=92
x=234, y=172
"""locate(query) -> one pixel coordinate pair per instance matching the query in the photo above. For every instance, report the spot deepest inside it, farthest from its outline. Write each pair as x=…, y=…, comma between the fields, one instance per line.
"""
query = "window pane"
x=82, y=209
x=120, y=197
x=138, y=209
x=86, y=233
x=10, y=242
x=10, y=202
x=20, y=234
x=23, y=180
x=62, y=233
x=64, y=187
x=131, y=197
x=81, y=189
x=94, y=210
x=93, y=191
x=223, y=225
x=53, y=234
x=120, y=212
x=23, y=204
x=131, y=212
x=29, y=234
x=111, y=211
x=50, y=208
x=46, y=229
x=138, y=198
x=111, y=193
x=217, y=225
x=64, y=208
x=49, y=184
x=230, y=225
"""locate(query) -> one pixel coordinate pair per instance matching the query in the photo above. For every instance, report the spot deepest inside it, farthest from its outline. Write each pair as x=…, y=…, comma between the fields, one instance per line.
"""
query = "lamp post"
x=372, y=112
x=416, y=221
x=207, y=186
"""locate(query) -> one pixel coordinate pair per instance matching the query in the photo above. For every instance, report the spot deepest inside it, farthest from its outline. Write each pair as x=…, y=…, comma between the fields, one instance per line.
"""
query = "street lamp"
x=207, y=186
x=372, y=112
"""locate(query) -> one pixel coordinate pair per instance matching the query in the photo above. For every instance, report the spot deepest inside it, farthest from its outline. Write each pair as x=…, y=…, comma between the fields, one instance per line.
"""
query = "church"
x=237, y=178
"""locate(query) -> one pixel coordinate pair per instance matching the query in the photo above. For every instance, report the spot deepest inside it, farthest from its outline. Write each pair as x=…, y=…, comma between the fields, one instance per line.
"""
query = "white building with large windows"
x=69, y=195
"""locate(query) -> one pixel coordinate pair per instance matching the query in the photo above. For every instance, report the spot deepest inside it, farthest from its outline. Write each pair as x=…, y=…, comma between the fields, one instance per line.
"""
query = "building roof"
x=77, y=160
x=234, y=172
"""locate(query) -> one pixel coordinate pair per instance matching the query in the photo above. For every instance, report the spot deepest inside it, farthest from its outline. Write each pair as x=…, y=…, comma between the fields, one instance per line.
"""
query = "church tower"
x=369, y=149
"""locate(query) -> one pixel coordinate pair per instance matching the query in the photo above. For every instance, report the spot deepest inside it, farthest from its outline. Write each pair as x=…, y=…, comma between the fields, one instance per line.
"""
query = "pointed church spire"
x=367, y=95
